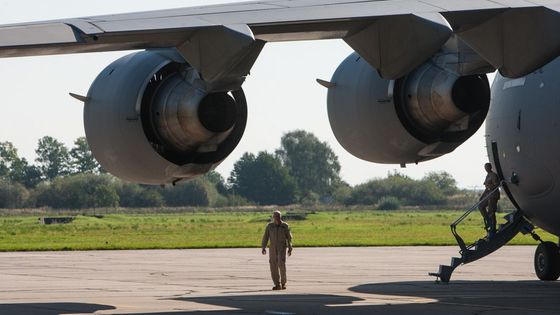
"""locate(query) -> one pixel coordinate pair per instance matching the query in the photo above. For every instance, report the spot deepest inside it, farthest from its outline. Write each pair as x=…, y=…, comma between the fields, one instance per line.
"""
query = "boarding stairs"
x=515, y=223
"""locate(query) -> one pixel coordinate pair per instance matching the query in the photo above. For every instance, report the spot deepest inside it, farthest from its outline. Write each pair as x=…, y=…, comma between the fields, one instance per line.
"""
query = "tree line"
x=303, y=170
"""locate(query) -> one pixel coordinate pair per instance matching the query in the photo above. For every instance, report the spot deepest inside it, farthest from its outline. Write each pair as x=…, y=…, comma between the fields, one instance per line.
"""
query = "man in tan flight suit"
x=278, y=232
x=489, y=206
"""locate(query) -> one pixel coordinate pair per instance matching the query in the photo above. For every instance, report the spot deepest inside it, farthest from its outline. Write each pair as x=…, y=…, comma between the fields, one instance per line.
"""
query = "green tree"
x=218, y=181
x=134, y=195
x=341, y=193
x=17, y=169
x=389, y=203
x=262, y=179
x=82, y=160
x=12, y=195
x=8, y=156
x=310, y=162
x=28, y=175
x=407, y=190
x=78, y=192
x=197, y=192
x=444, y=181
x=53, y=158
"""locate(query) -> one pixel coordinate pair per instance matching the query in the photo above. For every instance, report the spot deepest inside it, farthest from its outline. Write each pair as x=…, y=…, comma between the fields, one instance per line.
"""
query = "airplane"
x=414, y=89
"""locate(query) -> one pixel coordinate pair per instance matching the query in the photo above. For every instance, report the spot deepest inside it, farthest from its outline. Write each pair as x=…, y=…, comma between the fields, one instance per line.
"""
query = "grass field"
x=212, y=230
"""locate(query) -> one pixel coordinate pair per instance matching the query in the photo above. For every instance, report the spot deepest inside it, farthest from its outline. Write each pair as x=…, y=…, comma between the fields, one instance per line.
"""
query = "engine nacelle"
x=151, y=120
x=421, y=116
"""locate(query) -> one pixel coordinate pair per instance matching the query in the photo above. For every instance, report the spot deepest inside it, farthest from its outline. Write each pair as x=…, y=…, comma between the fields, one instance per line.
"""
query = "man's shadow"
x=413, y=297
x=416, y=297
x=419, y=297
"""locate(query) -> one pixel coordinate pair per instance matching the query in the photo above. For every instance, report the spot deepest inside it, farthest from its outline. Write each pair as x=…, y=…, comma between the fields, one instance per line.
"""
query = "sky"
x=281, y=92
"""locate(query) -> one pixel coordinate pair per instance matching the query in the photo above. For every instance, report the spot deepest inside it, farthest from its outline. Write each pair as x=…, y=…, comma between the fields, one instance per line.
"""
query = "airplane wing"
x=515, y=36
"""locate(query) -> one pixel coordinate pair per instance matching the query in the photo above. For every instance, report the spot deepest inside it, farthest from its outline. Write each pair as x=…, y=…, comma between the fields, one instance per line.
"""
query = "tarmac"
x=366, y=280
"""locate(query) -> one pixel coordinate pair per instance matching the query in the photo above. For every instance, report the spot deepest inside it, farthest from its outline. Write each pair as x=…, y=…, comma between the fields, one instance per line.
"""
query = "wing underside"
x=514, y=36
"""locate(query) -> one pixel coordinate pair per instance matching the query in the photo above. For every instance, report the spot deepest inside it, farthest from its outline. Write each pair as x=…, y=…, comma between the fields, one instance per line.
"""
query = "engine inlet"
x=432, y=101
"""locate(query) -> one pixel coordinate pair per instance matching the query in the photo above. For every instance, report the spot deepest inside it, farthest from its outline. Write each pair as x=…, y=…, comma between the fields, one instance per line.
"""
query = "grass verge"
x=239, y=229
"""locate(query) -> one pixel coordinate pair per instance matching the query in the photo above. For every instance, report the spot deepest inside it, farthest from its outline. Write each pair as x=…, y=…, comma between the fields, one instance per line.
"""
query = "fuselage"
x=523, y=142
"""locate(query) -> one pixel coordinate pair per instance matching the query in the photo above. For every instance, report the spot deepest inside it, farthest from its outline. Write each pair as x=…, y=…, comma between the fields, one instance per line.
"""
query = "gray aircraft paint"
x=413, y=119
x=524, y=124
x=128, y=143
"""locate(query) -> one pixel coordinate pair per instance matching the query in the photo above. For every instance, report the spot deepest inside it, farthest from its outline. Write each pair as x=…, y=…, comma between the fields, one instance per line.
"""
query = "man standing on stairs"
x=489, y=206
x=278, y=232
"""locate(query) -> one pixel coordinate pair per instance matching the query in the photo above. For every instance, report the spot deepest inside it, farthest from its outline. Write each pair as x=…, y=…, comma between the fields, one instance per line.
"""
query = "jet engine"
x=421, y=116
x=152, y=120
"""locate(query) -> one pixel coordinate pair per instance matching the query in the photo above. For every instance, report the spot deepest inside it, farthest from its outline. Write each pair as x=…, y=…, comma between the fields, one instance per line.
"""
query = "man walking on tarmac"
x=278, y=232
x=490, y=198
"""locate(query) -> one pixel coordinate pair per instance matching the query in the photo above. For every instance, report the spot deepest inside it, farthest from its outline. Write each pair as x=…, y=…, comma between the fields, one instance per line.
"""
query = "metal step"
x=510, y=217
x=515, y=223
x=487, y=246
x=444, y=273
x=456, y=261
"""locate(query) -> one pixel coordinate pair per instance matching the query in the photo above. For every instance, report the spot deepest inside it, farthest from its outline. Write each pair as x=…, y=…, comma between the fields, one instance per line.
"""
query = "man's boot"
x=492, y=227
x=491, y=232
x=485, y=219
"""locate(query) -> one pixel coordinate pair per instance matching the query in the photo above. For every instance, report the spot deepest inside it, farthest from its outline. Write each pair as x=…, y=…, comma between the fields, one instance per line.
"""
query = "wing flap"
x=190, y=11
x=321, y=13
x=137, y=25
x=50, y=33
x=461, y=5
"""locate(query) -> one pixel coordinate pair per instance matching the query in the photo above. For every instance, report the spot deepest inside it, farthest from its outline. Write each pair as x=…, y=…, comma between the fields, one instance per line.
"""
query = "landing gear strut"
x=547, y=261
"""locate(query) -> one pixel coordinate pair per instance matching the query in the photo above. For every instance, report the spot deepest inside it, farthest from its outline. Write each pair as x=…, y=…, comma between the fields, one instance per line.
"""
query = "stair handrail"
x=453, y=225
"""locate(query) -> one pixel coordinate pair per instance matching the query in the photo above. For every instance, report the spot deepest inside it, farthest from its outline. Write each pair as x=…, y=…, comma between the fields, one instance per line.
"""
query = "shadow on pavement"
x=51, y=308
x=416, y=297
x=422, y=297
x=513, y=297
x=280, y=303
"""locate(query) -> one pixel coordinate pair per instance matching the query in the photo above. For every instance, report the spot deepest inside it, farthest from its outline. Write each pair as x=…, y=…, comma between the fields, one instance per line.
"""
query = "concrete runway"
x=236, y=281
